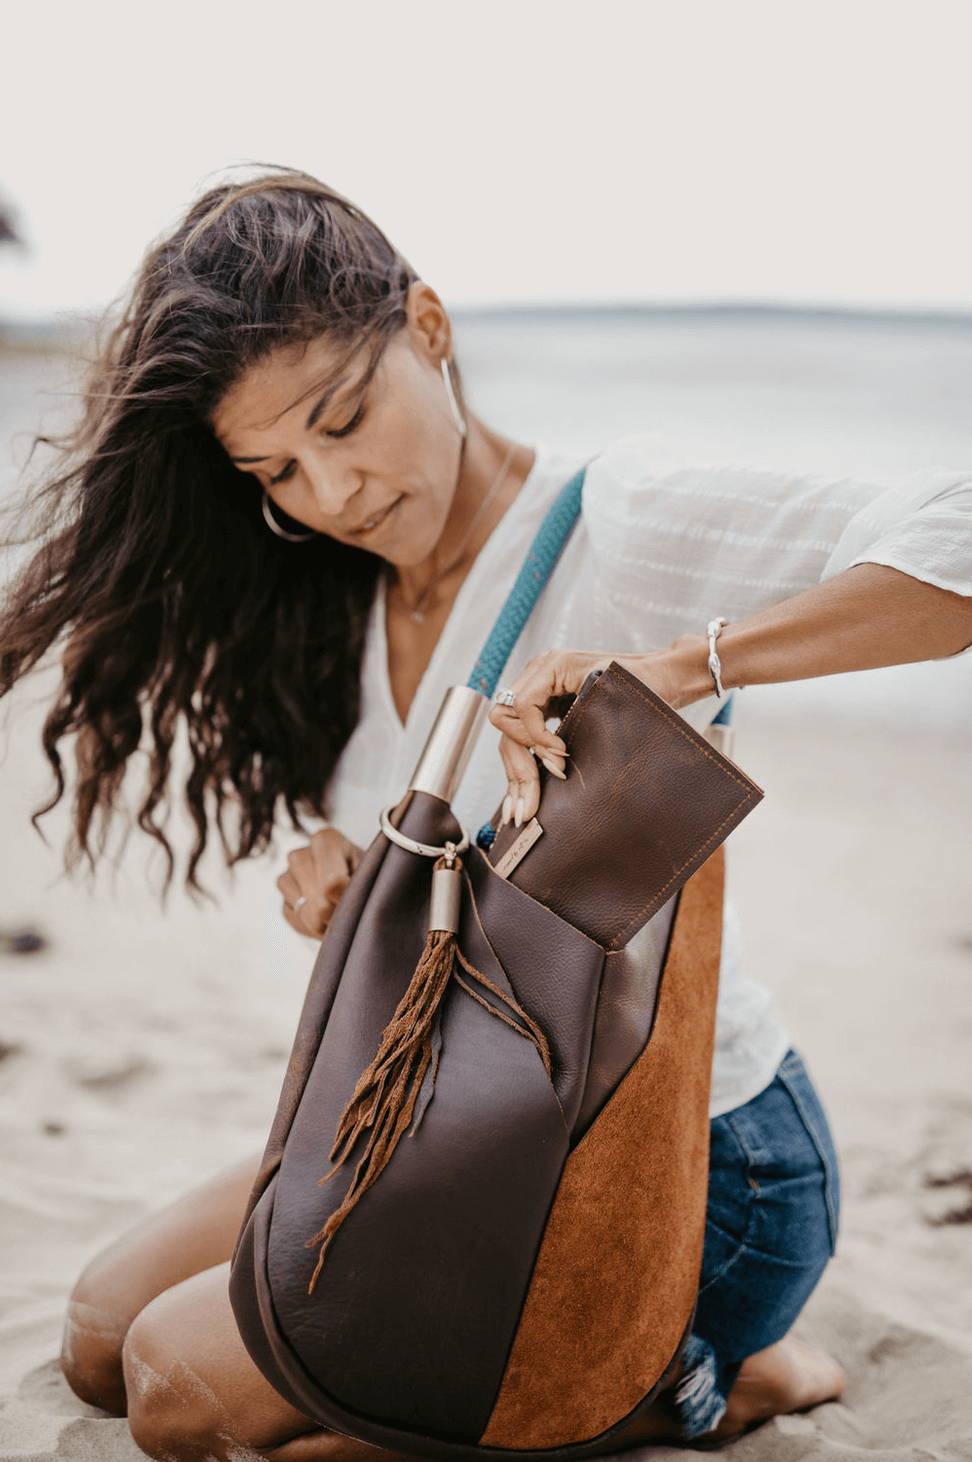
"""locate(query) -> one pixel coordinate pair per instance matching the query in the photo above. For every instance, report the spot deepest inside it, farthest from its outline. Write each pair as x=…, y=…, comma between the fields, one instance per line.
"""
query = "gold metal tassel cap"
x=446, y=898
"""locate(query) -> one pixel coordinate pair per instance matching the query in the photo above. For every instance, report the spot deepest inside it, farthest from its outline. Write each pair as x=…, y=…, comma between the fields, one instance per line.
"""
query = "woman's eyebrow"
x=325, y=397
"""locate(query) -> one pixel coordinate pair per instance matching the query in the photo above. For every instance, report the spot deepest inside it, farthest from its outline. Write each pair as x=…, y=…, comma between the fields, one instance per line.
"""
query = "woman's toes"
x=814, y=1376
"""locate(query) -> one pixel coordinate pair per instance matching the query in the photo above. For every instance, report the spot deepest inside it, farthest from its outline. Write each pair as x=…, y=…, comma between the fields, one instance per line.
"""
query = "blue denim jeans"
x=771, y=1226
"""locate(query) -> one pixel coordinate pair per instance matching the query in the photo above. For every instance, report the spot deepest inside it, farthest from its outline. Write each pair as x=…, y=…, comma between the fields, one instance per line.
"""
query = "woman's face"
x=336, y=461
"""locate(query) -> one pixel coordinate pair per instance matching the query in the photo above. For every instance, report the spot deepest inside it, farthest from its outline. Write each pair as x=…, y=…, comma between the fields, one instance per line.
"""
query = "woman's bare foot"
x=787, y=1376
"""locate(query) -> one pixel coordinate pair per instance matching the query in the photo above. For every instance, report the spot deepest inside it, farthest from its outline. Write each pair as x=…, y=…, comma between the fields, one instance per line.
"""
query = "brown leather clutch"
x=645, y=801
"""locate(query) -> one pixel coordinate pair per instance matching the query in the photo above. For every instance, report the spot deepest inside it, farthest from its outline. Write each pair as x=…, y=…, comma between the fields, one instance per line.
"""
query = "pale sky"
x=515, y=150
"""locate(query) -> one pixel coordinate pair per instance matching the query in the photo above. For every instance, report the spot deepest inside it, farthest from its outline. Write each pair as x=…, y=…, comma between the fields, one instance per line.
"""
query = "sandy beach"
x=142, y=1049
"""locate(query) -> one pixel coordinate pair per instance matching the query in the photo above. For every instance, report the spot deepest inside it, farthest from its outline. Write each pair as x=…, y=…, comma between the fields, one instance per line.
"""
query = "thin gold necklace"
x=416, y=611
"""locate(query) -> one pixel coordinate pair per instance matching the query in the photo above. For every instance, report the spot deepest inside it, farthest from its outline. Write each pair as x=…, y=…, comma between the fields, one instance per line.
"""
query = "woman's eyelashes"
x=355, y=421
x=343, y=431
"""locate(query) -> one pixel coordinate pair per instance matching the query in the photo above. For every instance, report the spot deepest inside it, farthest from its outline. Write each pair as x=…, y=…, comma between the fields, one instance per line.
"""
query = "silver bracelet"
x=713, y=630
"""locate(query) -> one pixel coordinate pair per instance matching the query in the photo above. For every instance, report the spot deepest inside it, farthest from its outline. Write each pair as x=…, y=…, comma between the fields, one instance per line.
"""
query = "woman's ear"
x=428, y=321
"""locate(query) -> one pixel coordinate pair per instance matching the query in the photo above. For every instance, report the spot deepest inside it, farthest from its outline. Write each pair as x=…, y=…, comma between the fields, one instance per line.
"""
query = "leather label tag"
x=521, y=845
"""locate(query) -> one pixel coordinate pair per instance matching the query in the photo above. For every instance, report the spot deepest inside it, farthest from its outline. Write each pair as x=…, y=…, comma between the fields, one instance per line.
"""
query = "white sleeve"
x=687, y=539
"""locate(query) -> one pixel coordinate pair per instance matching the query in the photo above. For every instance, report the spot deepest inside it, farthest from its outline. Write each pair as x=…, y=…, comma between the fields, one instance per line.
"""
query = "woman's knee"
x=189, y=1234
x=193, y=1391
x=172, y=1413
x=94, y=1332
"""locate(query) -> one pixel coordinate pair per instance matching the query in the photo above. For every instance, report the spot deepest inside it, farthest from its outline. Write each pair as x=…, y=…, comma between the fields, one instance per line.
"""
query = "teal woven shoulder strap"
x=541, y=556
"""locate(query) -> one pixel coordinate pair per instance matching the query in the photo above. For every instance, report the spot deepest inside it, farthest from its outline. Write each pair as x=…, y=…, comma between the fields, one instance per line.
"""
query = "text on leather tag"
x=528, y=835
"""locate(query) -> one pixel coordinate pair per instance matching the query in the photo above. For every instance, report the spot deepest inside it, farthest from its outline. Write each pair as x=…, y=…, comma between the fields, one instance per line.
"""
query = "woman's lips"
x=382, y=518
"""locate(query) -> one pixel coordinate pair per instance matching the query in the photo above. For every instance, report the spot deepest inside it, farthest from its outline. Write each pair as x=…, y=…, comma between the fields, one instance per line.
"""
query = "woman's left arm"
x=859, y=617
x=867, y=616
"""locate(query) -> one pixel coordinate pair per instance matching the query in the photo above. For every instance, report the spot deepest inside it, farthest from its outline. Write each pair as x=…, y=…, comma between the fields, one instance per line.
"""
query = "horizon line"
x=64, y=322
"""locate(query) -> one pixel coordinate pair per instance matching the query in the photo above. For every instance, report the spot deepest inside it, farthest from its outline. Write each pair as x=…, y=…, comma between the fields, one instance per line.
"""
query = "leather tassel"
x=385, y=1094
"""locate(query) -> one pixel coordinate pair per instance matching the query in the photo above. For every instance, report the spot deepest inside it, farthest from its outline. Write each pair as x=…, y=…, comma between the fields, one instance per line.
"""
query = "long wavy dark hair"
x=174, y=607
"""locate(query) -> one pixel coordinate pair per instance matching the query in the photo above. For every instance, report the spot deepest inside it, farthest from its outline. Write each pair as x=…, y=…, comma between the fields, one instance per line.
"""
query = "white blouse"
x=661, y=545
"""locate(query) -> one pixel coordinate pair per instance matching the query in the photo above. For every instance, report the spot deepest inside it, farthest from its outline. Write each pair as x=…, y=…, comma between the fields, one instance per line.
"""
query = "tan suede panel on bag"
x=617, y=1271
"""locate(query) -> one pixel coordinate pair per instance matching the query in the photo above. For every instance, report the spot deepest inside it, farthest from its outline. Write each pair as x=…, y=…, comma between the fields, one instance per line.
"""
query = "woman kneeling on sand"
x=282, y=527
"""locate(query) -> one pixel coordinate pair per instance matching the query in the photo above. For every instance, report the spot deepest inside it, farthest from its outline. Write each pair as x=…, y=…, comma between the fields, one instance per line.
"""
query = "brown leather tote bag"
x=477, y=1226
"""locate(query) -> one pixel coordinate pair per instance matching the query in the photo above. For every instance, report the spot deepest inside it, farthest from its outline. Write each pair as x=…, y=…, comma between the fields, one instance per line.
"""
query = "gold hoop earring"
x=282, y=532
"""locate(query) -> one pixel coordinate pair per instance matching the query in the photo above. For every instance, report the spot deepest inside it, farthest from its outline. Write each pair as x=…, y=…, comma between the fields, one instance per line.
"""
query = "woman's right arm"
x=320, y=872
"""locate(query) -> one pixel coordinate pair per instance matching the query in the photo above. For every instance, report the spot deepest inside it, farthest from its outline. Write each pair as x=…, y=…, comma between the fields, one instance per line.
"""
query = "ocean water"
x=863, y=395
x=866, y=395
x=841, y=393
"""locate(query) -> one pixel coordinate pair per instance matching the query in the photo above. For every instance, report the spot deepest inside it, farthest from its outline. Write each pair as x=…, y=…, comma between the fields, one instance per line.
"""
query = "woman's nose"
x=331, y=486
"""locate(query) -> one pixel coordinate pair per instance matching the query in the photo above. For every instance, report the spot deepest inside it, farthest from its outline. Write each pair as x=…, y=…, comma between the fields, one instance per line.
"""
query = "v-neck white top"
x=660, y=547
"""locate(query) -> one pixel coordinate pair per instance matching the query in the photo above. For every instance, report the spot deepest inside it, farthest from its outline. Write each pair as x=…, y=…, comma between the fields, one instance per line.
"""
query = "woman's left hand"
x=544, y=688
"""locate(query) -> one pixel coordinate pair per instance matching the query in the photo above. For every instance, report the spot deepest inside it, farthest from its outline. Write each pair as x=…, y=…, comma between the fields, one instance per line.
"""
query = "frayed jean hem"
x=698, y=1401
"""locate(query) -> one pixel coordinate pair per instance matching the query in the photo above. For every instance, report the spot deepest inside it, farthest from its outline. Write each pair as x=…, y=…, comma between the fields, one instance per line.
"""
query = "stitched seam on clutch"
x=679, y=725
x=675, y=720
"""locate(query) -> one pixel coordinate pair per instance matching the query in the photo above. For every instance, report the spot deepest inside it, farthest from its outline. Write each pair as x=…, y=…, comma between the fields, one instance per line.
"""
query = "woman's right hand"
x=321, y=872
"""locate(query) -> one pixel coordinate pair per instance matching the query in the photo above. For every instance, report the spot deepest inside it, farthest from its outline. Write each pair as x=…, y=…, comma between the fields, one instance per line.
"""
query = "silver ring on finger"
x=299, y=904
x=504, y=697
